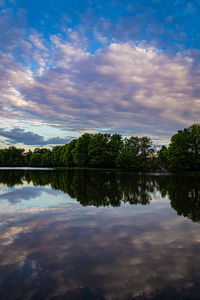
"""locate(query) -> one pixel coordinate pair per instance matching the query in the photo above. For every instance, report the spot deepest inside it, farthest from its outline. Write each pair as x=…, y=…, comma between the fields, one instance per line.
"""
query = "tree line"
x=112, y=151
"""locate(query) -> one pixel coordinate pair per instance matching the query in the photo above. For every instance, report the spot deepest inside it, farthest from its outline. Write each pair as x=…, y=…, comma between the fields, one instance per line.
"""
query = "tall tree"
x=55, y=156
x=128, y=156
x=46, y=158
x=80, y=152
x=162, y=157
x=145, y=152
x=35, y=159
x=98, y=150
x=115, y=146
x=67, y=154
x=184, y=150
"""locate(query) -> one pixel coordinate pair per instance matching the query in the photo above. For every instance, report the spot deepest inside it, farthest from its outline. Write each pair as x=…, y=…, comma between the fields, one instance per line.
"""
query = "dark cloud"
x=18, y=135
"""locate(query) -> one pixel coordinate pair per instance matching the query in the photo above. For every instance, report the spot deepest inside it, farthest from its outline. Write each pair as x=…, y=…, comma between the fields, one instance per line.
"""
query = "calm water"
x=99, y=235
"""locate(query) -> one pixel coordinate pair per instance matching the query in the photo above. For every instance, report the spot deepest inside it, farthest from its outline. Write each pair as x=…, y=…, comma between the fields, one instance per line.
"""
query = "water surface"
x=99, y=235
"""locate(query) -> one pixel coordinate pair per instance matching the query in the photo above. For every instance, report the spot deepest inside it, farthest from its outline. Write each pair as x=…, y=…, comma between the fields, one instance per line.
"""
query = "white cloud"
x=128, y=88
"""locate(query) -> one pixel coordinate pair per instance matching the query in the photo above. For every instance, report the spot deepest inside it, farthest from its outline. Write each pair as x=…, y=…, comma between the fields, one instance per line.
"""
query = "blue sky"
x=69, y=67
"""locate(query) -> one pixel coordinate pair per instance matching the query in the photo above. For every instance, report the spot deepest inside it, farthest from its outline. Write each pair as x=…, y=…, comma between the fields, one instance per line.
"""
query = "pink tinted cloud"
x=128, y=88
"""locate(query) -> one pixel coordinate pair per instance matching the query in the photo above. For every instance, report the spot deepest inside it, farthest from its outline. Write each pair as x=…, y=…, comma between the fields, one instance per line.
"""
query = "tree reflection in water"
x=104, y=188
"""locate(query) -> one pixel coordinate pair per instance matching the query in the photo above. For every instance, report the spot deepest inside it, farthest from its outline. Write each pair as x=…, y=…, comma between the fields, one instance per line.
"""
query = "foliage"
x=162, y=157
x=56, y=156
x=98, y=150
x=67, y=154
x=46, y=158
x=35, y=159
x=112, y=151
x=12, y=157
x=80, y=152
x=184, y=150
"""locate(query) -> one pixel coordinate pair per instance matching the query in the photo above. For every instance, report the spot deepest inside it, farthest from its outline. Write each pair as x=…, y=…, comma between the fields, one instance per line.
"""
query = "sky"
x=70, y=67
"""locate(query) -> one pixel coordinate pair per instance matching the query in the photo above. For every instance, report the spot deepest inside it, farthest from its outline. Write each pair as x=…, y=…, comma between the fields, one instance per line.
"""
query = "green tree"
x=27, y=157
x=162, y=157
x=14, y=157
x=67, y=154
x=128, y=156
x=125, y=159
x=46, y=158
x=80, y=152
x=35, y=159
x=56, y=155
x=98, y=150
x=115, y=146
x=184, y=150
x=1, y=158
x=145, y=152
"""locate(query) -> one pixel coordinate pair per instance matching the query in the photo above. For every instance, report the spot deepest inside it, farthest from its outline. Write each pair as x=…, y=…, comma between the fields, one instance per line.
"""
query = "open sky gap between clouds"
x=132, y=69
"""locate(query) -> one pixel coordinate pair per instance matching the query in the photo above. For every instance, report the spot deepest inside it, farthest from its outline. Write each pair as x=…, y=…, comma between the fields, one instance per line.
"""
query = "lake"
x=81, y=234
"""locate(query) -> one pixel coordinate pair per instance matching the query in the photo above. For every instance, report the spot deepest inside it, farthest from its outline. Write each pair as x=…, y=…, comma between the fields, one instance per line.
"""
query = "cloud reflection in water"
x=70, y=251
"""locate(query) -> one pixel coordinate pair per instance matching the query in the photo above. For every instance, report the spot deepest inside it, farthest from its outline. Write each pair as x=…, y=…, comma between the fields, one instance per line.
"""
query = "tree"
x=162, y=158
x=1, y=158
x=46, y=158
x=184, y=150
x=14, y=157
x=98, y=150
x=128, y=156
x=27, y=157
x=115, y=146
x=55, y=156
x=35, y=159
x=80, y=152
x=145, y=152
x=67, y=154
x=125, y=159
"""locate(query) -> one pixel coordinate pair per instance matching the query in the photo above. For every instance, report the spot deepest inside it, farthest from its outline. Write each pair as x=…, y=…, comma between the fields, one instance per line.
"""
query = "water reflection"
x=122, y=251
x=111, y=188
x=89, y=188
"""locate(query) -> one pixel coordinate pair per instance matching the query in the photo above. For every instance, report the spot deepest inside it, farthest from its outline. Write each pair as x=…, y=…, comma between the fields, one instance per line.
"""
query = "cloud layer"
x=130, y=87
